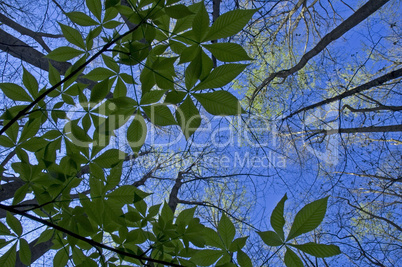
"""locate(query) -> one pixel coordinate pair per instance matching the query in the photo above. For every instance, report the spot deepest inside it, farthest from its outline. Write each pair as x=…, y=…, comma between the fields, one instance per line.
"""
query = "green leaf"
x=308, y=218
x=20, y=194
x=4, y=230
x=206, y=257
x=318, y=250
x=189, y=53
x=221, y=76
x=152, y=97
x=201, y=23
x=137, y=133
x=111, y=63
x=226, y=230
x=25, y=252
x=110, y=158
x=228, y=52
x=64, y=53
x=100, y=91
x=243, y=259
x=292, y=260
x=188, y=117
x=8, y=258
x=123, y=195
x=30, y=82
x=174, y=97
x=160, y=115
x=178, y=11
x=219, y=103
x=72, y=35
x=61, y=257
x=6, y=142
x=30, y=129
x=15, y=92
x=229, y=24
x=238, y=244
x=111, y=3
x=270, y=238
x=99, y=74
x=81, y=19
x=14, y=224
x=185, y=216
x=95, y=6
x=277, y=219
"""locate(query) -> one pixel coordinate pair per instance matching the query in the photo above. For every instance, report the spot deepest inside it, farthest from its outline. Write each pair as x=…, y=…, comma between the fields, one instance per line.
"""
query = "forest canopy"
x=200, y=133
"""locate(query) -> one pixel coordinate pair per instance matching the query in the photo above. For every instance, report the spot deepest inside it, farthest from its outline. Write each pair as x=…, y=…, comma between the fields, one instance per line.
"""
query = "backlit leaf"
x=219, y=103
x=308, y=218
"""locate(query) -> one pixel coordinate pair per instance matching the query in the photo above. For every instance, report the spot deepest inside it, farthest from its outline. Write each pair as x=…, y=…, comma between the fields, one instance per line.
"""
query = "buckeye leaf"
x=99, y=74
x=25, y=252
x=188, y=117
x=308, y=218
x=8, y=258
x=30, y=82
x=64, y=53
x=319, y=250
x=137, y=132
x=270, y=238
x=201, y=23
x=95, y=6
x=72, y=35
x=15, y=92
x=160, y=115
x=152, y=97
x=228, y=52
x=221, y=76
x=243, y=259
x=226, y=230
x=99, y=91
x=292, y=260
x=110, y=158
x=220, y=103
x=229, y=24
x=123, y=195
x=206, y=257
x=14, y=224
x=81, y=19
x=277, y=219
x=178, y=11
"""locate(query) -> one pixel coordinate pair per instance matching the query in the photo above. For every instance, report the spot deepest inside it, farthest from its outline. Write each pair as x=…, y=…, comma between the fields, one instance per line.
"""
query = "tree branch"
x=361, y=14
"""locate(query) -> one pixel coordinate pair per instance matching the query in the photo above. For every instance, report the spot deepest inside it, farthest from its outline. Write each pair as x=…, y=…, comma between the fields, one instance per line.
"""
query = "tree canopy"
x=155, y=132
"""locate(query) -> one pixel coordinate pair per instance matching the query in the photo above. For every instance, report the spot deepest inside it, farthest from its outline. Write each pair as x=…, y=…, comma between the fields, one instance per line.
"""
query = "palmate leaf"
x=81, y=19
x=270, y=238
x=277, y=219
x=206, y=257
x=8, y=258
x=30, y=82
x=221, y=76
x=25, y=252
x=243, y=259
x=308, y=218
x=318, y=250
x=228, y=52
x=64, y=53
x=201, y=23
x=99, y=74
x=110, y=158
x=220, y=103
x=291, y=259
x=229, y=24
x=95, y=6
x=15, y=92
x=226, y=230
x=160, y=115
x=188, y=117
x=72, y=35
x=137, y=133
